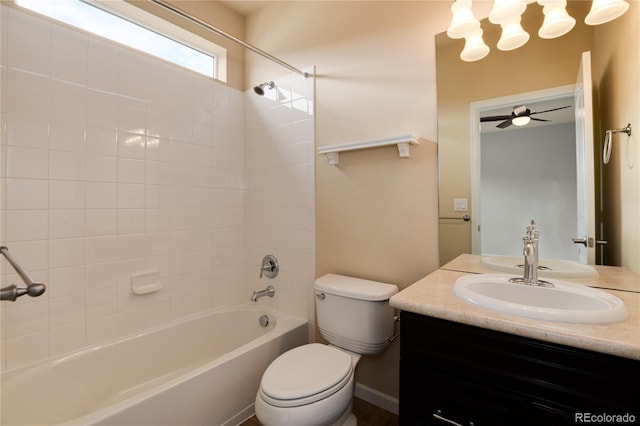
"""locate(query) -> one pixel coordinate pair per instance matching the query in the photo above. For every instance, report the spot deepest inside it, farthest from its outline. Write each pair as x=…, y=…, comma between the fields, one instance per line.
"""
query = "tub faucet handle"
x=269, y=266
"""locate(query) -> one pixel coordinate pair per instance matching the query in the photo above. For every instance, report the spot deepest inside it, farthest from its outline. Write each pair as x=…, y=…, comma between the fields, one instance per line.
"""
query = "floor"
x=367, y=415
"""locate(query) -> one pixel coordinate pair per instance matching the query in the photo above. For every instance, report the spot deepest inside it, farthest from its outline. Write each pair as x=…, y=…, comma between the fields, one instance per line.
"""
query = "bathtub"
x=203, y=370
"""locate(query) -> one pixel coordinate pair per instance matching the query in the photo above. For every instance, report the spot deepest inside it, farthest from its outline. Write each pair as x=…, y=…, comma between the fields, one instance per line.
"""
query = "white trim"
x=475, y=109
x=377, y=398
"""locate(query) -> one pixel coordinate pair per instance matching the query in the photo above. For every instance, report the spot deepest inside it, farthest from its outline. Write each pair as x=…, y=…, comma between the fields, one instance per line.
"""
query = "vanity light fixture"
x=506, y=10
x=603, y=11
x=557, y=21
x=507, y=14
x=474, y=47
x=513, y=35
x=463, y=22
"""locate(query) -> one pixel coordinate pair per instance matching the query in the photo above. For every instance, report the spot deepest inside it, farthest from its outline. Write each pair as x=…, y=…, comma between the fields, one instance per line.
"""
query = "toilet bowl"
x=309, y=385
x=313, y=384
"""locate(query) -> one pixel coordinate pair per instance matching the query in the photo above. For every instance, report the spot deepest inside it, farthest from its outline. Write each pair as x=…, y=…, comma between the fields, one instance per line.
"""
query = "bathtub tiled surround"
x=114, y=162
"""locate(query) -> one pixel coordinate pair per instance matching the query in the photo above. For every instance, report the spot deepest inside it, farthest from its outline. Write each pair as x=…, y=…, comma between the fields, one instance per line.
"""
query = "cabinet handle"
x=437, y=415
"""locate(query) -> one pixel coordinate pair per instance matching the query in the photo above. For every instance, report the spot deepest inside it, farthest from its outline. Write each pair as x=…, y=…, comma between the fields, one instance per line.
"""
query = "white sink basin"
x=550, y=268
x=565, y=302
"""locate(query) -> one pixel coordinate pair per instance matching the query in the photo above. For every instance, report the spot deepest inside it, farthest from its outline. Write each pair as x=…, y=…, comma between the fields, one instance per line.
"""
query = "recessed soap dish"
x=145, y=282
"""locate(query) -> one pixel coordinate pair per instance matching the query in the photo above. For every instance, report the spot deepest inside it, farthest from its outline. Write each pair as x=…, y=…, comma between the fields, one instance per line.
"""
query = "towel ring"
x=606, y=154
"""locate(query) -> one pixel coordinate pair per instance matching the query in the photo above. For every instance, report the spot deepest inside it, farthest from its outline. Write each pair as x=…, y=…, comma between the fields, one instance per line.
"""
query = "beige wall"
x=618, y=87
x=376, y=213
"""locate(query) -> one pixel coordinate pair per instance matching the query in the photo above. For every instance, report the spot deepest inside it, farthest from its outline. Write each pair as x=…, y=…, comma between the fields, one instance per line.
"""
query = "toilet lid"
x=305, y=374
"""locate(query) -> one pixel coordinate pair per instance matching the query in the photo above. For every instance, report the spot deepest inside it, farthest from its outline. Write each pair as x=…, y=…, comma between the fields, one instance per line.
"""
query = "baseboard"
x=378, y=398
x=241, y=417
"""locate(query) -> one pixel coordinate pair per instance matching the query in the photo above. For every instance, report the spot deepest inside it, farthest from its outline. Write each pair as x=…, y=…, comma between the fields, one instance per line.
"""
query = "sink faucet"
x=269, y=291
x=530, y=253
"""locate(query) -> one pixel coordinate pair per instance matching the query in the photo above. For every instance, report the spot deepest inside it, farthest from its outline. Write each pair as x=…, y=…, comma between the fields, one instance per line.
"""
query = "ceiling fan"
x=520, y=116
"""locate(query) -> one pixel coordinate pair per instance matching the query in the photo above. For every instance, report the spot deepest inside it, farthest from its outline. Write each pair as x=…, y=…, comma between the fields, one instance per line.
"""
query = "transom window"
x=133, y=27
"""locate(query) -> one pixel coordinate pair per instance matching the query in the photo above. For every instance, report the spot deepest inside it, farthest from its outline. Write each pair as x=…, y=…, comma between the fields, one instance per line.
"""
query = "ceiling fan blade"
x=504, y=124
x=538, y=119
x=495, y=118
x=549, y=110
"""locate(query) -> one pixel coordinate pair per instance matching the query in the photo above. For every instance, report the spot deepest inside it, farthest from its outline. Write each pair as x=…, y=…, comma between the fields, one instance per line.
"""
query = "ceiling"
x=244, y=7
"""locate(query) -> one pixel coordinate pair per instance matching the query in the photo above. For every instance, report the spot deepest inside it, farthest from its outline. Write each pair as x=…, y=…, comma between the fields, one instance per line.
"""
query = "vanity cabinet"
x=452, y=373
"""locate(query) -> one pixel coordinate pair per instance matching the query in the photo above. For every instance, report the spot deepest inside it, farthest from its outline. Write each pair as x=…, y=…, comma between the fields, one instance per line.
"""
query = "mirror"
x=539, y=65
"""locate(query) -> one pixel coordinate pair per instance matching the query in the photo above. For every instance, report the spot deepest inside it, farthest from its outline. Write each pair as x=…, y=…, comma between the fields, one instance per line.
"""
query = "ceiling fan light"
x=463, y=21
x=513, y=35
x=521, y=121
x=557, y=21
x=474, y=47
x=506, y=10
x=603, y=11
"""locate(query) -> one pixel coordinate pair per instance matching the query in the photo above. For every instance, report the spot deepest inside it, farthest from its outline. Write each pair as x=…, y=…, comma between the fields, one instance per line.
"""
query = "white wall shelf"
x=403, y=141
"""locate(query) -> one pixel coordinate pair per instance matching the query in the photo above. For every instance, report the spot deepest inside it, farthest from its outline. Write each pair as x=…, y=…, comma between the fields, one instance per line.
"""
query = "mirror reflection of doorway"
x=529, y=172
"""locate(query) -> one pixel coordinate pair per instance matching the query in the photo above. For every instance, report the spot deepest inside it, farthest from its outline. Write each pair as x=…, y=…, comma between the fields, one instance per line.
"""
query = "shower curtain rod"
x=228, y=36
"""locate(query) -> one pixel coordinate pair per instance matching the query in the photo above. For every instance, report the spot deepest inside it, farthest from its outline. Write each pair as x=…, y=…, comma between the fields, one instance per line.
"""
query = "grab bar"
x=12, y=292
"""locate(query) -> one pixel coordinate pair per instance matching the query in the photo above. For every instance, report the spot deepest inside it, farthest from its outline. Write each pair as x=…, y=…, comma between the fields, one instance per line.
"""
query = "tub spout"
x=269, y=291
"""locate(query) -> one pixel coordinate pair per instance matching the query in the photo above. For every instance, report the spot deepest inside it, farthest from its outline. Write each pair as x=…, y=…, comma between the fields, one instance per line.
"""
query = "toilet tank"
x=354, y=313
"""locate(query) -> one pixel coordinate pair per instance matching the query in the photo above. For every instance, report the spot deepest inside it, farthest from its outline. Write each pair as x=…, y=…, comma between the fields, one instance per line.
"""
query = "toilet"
x=313, y=384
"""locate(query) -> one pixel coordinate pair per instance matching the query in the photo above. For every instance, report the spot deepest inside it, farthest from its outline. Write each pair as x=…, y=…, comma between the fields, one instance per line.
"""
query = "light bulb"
x=463, y=21
x=521, y=121
x=505, y=10
x=513, y=35
x=474, y=47
x=557, y=21
x=603, y=11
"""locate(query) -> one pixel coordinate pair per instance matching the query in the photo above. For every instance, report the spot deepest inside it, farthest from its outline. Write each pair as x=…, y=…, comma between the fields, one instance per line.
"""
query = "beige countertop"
x=433, y=296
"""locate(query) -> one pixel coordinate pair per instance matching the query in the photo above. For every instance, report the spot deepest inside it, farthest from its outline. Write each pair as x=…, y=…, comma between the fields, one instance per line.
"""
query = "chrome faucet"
x=530, y=252
x=269, y=291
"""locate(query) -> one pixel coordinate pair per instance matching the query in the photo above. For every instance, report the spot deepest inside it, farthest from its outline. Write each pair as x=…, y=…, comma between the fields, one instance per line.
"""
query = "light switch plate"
x=460, y=205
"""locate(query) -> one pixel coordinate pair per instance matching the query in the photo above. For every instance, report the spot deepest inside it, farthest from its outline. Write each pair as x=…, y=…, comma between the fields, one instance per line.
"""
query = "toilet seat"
x=305, y=374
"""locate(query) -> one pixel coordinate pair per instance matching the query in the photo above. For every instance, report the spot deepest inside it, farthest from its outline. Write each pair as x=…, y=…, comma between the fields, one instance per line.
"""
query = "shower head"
x=259, y=89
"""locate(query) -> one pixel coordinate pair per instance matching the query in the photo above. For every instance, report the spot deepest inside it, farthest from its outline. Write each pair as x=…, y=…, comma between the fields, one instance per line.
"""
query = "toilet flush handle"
x=321, y=296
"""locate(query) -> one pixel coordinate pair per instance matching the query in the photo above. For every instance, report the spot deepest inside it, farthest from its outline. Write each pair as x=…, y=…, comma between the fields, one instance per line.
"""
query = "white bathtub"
x=204, y=370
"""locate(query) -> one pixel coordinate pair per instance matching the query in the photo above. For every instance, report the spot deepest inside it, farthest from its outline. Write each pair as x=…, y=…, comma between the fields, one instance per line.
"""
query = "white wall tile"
x=101, y=141
x=102, y=65
x=28, y=94
x=131, y=171
x=27, y=194
x=101, y=195
x=66, y=194
x=67, y=136
x=69, y=55
x=68, y=102
x=66, y=282
x=27, y=131
x=66, y=252
x=102, y=329
x=131, y=196
x=68, y=223
x=101, y=249
x=67, y=165
x=26, y=319
x=66, y=310
x=67, y=339
x=101, y=168
x=25, y=225
x=28, y=349
x=101, y=221
x=27, y=162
